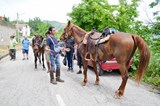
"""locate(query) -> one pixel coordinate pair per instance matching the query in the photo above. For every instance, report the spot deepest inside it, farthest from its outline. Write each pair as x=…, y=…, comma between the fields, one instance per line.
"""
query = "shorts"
x=47, y=57
x=25, y=51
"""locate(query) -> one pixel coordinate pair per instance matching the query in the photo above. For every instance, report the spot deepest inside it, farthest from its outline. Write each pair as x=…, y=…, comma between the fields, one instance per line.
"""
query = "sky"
x=50, y=9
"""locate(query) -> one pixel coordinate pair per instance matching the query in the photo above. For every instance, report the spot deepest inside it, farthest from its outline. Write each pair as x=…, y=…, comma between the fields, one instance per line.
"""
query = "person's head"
x=25, y=37
x=12, y=37
x=47, y=33
x=106, y=29
x=52, y=30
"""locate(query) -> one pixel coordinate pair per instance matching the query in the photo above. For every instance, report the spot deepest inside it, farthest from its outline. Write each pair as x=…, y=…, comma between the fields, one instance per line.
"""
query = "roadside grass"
x=152, y=74
x=4, y=50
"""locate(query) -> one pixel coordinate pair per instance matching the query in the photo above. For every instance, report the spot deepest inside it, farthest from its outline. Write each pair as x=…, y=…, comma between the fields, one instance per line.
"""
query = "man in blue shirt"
x=52, y=47
x=25, y=49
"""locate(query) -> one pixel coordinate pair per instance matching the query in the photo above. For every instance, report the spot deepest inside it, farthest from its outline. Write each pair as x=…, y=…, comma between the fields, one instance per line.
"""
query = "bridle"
x=36, y=42
x=66, y=32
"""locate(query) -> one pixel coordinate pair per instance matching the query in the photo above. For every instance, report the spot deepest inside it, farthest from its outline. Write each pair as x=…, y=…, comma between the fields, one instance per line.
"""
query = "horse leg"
x=85, y=65
x=35, y=61
x=39, y=57
x=43, y=61
x=96, y=72
x=124, y=73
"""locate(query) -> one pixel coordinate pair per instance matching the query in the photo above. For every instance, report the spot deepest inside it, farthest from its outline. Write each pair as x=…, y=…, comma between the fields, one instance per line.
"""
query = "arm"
x=47, y=48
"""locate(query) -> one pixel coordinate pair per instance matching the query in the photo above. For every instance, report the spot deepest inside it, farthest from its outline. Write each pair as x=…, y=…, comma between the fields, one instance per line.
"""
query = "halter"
x=66, y=32
x=36, y=42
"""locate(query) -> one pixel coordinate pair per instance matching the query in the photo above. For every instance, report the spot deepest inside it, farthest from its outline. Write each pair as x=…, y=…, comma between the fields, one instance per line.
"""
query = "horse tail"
x=132, y=52
x=144, y=57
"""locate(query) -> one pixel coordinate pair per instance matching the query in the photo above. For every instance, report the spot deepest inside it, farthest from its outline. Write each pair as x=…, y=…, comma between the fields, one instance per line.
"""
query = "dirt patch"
x=4, y=50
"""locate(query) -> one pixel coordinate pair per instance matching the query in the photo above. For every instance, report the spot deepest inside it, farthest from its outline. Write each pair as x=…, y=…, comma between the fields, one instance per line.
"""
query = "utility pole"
x=17, y=17
x=17, y=28
x=18, y=36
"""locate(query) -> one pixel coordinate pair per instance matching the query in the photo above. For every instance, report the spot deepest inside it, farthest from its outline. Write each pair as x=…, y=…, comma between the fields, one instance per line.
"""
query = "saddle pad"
x=102, y=40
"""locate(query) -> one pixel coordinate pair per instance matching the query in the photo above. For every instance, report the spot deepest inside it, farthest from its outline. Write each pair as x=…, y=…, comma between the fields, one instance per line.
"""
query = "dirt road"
x=21, y=85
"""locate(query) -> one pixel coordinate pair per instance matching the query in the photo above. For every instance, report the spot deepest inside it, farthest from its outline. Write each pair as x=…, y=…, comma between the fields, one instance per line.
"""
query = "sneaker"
x=79, y=72
x=68, y=69
x=23, y=59
x=27, y=58
x=72, y=70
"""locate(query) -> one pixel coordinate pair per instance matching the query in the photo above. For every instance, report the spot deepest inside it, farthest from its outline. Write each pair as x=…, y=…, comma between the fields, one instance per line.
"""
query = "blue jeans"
x=55, y=61
x=70, y=57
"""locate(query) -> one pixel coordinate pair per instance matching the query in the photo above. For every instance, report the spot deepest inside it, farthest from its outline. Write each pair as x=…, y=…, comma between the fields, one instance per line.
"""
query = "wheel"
x=100, y=70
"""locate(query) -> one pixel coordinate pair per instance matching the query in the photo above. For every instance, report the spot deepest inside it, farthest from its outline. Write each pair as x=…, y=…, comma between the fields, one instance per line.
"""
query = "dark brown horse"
x=38, y=50
x=120, y=45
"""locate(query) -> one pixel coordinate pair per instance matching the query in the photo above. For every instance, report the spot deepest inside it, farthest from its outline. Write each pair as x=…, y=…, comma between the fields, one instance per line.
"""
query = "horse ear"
x=69, y=22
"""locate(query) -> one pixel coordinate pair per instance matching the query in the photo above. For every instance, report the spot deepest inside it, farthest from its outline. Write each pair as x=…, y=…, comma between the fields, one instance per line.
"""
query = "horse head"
x=72, y=30
x=68, y=32
x=37, y=42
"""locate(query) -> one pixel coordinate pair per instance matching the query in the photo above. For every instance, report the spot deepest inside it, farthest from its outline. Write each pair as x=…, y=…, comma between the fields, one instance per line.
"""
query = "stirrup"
x=90, y=57
x=86, y=55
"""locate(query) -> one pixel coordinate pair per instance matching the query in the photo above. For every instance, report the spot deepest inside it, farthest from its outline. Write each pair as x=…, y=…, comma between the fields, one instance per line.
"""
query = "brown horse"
x=38, y=50
x=120, y=45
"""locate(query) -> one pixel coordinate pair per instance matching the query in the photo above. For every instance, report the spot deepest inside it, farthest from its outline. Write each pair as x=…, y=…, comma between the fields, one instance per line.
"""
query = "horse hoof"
x=83, y=84
x=116, y=97
x=96, y=82
x=117, y=94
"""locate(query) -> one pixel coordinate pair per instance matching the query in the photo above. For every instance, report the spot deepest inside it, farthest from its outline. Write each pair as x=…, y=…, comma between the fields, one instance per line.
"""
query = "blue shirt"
x=25, y=44
x=50, y=44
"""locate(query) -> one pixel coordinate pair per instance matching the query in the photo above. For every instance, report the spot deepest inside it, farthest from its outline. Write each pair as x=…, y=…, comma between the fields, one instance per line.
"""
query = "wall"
x=6, y=30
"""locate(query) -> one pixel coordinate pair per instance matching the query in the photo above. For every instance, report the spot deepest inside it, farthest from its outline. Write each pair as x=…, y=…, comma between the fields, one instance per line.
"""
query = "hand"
x=61, y=48
x=67, y=49
x=76, y=57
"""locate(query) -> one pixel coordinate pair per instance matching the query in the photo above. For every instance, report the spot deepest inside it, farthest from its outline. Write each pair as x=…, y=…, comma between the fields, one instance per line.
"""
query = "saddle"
x=92, y=40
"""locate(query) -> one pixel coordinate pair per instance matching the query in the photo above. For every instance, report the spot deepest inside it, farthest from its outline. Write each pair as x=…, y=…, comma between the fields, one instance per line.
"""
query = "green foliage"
x=99, y=14
x=38, y=27
x=156, y=25
x=153, y=73
x=6, y=19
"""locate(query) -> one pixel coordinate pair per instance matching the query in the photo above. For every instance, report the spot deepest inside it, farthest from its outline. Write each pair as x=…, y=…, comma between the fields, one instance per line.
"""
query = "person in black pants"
x=70, y=42
x=79, y=60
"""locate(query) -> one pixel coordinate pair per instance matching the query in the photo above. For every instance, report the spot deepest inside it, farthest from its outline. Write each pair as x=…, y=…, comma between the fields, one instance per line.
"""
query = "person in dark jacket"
x=70, y=42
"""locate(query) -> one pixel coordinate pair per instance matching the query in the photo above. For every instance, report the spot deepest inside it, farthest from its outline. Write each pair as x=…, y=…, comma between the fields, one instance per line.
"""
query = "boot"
x=58, y=76
x=52, y=78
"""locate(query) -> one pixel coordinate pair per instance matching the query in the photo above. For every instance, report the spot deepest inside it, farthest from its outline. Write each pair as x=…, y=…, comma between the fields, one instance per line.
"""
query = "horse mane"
x=80, y=31
x=80, y=28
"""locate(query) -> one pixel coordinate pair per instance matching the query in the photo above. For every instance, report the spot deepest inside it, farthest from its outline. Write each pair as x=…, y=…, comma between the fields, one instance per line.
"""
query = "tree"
x=38, y=26
x=156, y=25
x=99, y=14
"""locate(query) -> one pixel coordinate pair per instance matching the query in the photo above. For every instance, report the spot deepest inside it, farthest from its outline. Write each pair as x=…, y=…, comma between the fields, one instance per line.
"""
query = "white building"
x=24, y=29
